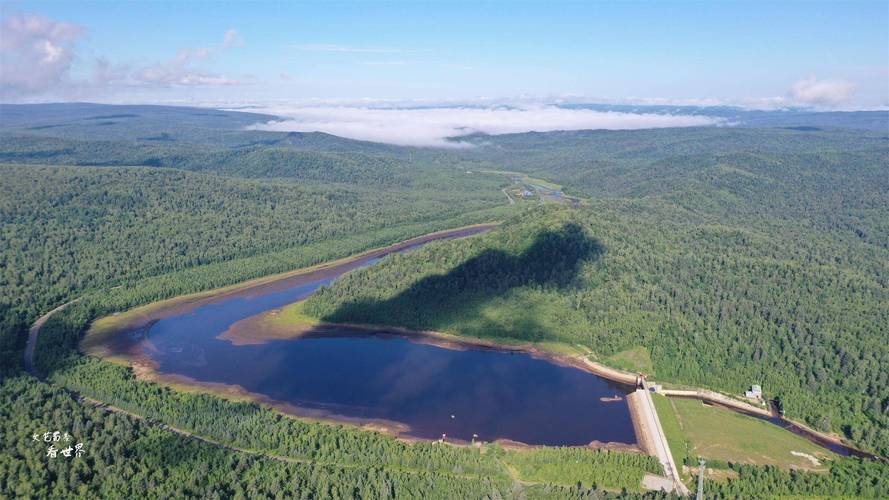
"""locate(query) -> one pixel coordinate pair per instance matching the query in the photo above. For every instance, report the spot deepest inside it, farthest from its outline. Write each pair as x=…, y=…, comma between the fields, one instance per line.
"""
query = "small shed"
x=755, y=392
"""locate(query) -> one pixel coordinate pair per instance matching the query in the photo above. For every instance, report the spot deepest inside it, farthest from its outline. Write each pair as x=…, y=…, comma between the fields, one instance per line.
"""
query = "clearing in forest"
x=720, y=434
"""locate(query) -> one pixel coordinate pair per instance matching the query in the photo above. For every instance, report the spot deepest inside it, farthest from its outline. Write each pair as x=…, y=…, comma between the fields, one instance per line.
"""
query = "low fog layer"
x=432, y=126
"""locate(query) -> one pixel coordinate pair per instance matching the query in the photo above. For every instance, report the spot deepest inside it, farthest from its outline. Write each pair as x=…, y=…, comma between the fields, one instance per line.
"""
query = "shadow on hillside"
x=552, y=261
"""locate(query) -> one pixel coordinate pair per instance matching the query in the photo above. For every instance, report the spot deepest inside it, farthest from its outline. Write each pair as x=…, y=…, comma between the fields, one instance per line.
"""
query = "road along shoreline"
x=34, y=331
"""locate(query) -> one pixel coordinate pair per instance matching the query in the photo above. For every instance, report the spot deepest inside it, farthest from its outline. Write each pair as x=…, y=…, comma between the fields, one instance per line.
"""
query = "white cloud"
x=431, y=126
x=180, y=70
x=35, y=54
x=828, y=93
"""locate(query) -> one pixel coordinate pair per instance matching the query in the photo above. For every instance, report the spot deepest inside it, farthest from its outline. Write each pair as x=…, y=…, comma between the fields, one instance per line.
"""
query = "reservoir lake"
x=405, y=382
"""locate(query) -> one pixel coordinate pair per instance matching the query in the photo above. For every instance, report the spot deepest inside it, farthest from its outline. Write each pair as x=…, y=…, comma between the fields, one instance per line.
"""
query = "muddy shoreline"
x=643, y=433
x=108, y=336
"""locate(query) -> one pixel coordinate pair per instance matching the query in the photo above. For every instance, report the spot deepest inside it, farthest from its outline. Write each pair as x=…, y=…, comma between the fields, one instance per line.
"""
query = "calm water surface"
x=430, y=389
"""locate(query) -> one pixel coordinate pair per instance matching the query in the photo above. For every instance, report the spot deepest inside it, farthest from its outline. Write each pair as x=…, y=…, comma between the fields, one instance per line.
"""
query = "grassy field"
x=721, y=434
x=292, y=315
x=527, y=179
x=544, y=190
x=636, y=359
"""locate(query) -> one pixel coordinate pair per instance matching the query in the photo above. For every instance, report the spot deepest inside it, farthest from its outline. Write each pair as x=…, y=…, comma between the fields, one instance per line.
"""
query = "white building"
x=755, y=392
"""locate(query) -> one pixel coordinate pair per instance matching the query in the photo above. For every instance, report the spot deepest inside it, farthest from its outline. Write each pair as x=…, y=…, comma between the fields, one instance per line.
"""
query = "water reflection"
x=431, y=389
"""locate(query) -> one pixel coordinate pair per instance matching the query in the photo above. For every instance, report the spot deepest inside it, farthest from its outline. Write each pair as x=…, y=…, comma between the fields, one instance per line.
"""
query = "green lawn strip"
x=722, y=434
x=635, y=359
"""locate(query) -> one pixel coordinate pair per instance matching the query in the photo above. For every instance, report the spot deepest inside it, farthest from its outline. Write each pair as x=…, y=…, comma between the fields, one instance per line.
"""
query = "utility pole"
x=701, y=480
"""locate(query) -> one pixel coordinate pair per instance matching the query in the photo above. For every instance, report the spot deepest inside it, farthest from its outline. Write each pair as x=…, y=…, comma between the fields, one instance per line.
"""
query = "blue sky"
x=828, y=54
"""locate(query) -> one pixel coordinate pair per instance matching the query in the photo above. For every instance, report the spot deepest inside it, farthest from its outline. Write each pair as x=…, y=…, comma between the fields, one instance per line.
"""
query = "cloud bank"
x=814, y=92
x=432, y=126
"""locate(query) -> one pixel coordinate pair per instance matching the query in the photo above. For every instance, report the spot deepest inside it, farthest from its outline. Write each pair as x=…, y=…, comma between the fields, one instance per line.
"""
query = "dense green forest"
x=250, y=160
x=128, y=458
x=733, y=256
x=68, y=230
x=610, y=163
x=848, y=478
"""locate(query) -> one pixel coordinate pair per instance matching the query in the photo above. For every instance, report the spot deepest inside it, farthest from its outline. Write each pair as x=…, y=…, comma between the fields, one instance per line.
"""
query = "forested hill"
x=250, y=160
x=110, y=122
x=646, y=162
x=165, y=126
x=196, y=139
